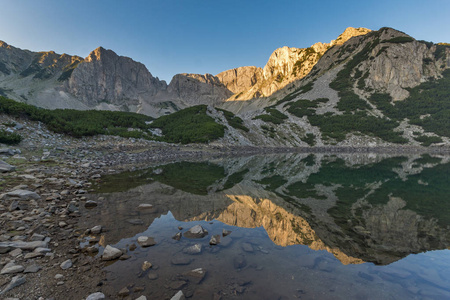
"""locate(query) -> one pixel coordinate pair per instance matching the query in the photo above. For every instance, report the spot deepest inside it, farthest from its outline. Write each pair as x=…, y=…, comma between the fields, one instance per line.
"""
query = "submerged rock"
x=146, y=241
x=179, y=261
x=90, y=204
x=196, y=275
x=177, y=236
x=194, y=249
x=146, y=265
x=215, y=239
x=225, y=232
x=196, y=232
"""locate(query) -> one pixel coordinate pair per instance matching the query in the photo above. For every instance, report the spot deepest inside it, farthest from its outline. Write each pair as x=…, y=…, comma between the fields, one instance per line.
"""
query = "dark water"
x=303, y=227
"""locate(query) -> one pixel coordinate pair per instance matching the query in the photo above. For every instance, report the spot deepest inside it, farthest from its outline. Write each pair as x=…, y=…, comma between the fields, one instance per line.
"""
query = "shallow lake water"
x=315, y=226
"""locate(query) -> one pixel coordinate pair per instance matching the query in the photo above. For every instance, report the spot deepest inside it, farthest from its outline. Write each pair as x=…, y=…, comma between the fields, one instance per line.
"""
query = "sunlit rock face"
x=284, y=66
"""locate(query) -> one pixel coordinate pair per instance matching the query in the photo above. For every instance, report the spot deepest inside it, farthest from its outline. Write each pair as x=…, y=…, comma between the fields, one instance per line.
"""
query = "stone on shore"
x=96, y=296
x=96, y=229
x=5, y=167
x=90, y=204
x=21, y=194
x=22, y=245
x=144, y=206
x=111, y=253
x=66, y=264
x=12, y=269
x=178, y=296
x=15, y=282
x=196, y=232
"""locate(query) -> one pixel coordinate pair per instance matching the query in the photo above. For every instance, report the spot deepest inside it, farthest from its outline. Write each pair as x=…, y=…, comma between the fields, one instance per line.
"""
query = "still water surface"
x=302, y=227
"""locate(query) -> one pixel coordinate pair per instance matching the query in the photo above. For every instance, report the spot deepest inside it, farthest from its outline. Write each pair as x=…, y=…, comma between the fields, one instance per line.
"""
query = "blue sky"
x=194, y=36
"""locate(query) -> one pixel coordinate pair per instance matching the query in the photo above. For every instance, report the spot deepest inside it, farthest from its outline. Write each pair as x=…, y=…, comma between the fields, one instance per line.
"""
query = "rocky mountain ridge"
x=105, y=80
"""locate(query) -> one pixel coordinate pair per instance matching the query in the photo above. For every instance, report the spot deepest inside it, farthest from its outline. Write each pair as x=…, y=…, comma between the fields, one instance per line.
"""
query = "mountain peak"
x=348, y=33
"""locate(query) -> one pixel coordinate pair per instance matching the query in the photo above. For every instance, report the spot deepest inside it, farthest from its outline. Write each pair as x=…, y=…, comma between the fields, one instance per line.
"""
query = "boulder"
x=111, y=253
x=5, y=167
x=22, y=195
x=196, y=232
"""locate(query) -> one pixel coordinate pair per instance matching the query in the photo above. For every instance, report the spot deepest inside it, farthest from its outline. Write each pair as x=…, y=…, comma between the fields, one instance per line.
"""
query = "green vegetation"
x=426, y=106
x=428, y=140
x=9, y=138
x=79, y=123
x=440, y=50
x=310, y=139
x=302, y=108
x=190, y=125
x=233, y=120
x=337, y=126
x=274, y=116
x=343, y=83
x=299, y=63
x=399, y=40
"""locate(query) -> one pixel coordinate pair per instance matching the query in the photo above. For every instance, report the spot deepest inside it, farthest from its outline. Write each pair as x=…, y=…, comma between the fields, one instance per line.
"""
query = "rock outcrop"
x=106, y=77
x=284, y=66
x=194, y=89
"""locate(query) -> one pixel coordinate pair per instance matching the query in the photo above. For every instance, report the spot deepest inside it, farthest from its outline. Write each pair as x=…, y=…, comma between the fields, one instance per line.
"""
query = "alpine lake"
x=291, y=226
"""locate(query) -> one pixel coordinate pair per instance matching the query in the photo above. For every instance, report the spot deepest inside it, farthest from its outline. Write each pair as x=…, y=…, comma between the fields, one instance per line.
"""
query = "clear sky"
x=206, y=36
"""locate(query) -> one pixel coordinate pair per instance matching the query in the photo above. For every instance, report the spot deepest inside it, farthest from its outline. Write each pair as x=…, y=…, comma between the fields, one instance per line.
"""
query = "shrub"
x=399, y=40
x=9, y=138
x=233, y=120
x=274, y=116
x=190, y=125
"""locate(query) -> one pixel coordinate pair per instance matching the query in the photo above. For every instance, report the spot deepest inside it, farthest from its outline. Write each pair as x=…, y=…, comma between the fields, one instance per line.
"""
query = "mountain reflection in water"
x=368, y=211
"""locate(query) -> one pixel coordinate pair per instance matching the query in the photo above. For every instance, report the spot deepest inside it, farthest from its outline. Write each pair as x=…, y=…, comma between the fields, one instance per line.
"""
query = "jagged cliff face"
x=240, y=79
x=284, y=66
x=194, y=89
x=105, y=77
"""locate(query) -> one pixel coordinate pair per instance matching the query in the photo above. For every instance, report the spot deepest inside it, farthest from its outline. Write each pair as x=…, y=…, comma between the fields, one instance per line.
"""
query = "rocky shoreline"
x=44, y=182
